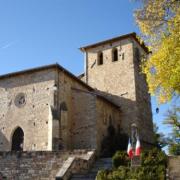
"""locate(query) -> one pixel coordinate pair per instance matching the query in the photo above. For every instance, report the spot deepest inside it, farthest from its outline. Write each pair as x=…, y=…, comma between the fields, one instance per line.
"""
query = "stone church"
x=50, y=109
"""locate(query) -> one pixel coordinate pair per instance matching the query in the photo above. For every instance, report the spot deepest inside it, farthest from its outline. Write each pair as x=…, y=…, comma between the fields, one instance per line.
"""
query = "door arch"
x=17, y=140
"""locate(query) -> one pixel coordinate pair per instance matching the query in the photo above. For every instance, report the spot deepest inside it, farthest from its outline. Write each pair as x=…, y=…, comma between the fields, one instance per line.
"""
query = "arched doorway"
x=17, y=140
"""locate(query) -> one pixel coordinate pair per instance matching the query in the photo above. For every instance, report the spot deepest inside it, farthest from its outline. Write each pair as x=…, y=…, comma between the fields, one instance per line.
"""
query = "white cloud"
x=5, y=46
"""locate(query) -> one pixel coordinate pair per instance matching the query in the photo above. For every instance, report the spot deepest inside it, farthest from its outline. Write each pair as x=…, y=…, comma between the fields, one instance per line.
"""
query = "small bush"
x=120, y=159
x=102, y=175
x=117, y=174
x=153, y=157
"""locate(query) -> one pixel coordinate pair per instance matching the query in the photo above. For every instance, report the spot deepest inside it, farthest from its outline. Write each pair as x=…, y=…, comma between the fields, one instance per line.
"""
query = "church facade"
x=48, y=108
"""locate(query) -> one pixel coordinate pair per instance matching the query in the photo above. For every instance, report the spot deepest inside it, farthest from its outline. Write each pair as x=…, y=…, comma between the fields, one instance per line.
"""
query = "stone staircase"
x=100, y=164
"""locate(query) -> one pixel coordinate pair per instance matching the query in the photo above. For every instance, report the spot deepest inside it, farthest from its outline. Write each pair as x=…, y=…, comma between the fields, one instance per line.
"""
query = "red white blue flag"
x=138, y=147
x=129, y=149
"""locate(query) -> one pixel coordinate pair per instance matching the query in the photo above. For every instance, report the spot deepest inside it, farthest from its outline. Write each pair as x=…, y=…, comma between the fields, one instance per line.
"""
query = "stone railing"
x=76, y=164
x=42, y=164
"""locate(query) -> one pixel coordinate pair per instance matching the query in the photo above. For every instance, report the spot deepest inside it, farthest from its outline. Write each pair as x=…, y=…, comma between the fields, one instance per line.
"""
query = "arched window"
x=17, y=140
x=115, y=54
x=100, y=58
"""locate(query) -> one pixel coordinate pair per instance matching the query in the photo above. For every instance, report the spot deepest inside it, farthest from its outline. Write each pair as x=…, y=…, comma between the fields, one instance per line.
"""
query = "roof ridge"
x=133, y=35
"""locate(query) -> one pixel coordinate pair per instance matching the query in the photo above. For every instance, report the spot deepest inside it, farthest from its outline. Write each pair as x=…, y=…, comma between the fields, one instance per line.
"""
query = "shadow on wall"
x=4, y=143
x=117, y=138
x=129, y=115
x=129, y=110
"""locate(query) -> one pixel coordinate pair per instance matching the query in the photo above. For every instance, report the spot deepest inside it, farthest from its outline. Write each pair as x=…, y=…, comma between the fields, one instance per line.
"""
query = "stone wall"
x=106, y=115
x=32, y=114
x=42, y=164
x=58, y=112
x=31, y=165
x=69, y=118
x=77, y=164
x=120, y=82
x=143, y=99
x=84, y=132
x=79, y=122
x=174, y=167
x=115, y=79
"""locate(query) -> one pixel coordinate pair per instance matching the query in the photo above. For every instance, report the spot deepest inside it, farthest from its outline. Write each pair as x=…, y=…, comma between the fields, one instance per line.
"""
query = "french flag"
x=138, y=147
x=129, y=149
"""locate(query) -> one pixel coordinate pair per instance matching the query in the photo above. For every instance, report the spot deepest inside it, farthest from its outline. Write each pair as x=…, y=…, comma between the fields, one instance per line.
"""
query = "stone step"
x=88, y=176
x=100, y=164
x=84, y=178
x=97, y=169
x=105, y=161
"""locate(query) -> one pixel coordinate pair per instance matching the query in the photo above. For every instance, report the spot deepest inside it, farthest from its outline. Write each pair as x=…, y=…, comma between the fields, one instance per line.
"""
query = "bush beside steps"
x=153, y=167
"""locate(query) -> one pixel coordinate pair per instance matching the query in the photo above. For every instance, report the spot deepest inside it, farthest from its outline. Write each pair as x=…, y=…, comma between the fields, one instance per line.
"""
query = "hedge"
x=153, y=167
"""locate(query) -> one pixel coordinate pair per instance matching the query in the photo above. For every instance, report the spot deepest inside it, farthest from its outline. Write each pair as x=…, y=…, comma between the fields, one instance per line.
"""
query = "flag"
x=129, y=149
x=138, y=147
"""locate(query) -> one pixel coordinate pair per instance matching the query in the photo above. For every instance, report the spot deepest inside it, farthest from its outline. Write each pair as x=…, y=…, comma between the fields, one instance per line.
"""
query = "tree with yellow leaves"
x=159, y=22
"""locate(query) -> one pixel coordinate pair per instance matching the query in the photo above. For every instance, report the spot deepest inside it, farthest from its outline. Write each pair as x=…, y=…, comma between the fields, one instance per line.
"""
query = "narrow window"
x=115, y=54
x=100, y=58
x=122, y=56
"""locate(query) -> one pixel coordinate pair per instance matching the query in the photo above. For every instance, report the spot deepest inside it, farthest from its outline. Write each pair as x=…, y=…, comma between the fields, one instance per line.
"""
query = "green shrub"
x=120, y=159
x=153, y=157
x=153, y=167
x=116, y=174
x=102, y=175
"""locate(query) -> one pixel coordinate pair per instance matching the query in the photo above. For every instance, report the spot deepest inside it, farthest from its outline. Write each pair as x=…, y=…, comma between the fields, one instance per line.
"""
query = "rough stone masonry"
x=48, y=108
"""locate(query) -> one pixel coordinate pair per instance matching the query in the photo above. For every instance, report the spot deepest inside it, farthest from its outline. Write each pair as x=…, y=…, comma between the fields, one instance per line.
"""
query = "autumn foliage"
x=159, y=22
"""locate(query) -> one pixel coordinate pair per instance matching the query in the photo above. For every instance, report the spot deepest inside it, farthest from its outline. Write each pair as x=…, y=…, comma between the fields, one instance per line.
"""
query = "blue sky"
x=40, y=32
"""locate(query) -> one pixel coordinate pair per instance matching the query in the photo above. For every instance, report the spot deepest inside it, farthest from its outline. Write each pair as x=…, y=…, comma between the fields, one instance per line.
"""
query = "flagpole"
x=132, y=158
x=130, y=151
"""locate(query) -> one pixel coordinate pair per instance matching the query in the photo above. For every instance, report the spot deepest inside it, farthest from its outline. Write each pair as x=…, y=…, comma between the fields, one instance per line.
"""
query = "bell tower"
x=112, y=67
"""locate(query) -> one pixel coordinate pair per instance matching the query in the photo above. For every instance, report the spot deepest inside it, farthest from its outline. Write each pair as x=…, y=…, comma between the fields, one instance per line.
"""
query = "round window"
x=20, y=100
